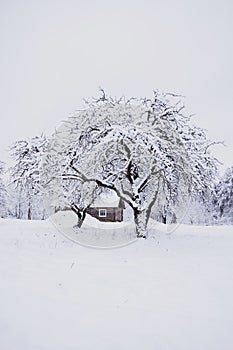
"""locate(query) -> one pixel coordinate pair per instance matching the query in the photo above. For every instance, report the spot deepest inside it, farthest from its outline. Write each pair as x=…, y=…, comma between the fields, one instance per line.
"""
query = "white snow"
x=94, y=232
x=169, y=292
x=106, y=200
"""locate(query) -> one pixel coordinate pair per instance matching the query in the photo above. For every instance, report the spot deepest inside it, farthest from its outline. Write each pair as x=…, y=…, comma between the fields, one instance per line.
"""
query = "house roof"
x=107, y=200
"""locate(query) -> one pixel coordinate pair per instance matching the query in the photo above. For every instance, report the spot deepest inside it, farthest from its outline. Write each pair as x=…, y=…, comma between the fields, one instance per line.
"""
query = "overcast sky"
x=55, y=53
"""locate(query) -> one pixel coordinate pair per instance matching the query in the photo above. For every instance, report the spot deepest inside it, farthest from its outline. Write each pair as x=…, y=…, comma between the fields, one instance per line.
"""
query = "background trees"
x=25, y=177
x=3, y=209
x=145, y=150
x=222, y=200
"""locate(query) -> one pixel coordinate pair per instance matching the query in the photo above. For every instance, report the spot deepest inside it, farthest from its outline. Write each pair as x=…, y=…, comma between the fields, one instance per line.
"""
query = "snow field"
x=169, y=292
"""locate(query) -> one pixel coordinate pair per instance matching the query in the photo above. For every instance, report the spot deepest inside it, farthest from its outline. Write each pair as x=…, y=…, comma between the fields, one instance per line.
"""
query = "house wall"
x=113, y=214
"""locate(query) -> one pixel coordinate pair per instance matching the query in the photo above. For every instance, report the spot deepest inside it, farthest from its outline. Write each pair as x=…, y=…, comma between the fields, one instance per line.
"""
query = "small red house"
x=107, y=207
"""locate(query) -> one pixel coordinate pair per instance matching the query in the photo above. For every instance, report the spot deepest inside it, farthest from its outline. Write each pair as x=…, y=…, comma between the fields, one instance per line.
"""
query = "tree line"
x=146, y=150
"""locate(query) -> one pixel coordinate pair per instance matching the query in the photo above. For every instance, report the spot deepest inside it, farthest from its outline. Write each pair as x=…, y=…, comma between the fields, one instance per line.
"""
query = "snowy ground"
x=170, y=292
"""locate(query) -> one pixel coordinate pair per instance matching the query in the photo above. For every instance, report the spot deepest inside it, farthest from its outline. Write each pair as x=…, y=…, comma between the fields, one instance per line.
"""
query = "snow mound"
x=94, y=232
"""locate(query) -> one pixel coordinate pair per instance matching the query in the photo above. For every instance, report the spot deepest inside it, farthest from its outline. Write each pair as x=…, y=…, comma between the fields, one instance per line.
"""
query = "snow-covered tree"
x=143, y=149
x=223, y=198
x=3, y=208
x=71, y=193
x=25, y=177
x=200, y=210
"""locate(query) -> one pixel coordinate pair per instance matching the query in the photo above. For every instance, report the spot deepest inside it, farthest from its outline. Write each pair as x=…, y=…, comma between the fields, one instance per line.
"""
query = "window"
x=102, y=213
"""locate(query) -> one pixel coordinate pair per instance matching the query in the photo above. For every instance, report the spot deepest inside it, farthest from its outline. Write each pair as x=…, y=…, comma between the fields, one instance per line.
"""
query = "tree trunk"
x=20, y=212
x=81, y=215
x=164, y=219
x=140, y=219
x=43, y=214
x=81, y=218
x=29, y=211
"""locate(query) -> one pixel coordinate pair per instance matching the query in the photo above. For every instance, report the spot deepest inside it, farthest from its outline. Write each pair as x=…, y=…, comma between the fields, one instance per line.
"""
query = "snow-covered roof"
x=107, y=200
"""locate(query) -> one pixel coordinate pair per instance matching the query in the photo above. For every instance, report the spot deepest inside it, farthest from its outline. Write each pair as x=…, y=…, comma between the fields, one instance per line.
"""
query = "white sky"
x=55, y=53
